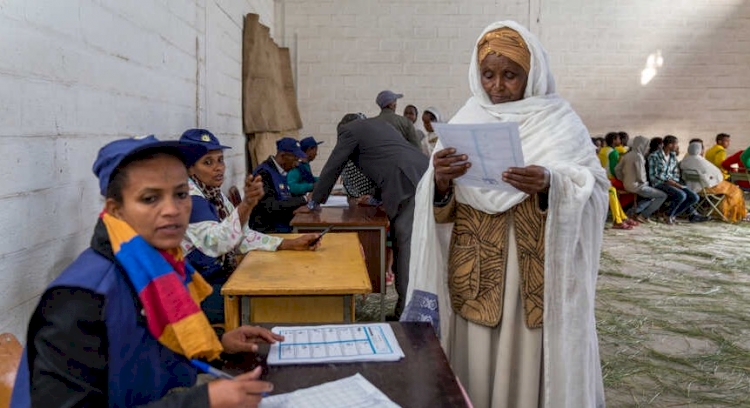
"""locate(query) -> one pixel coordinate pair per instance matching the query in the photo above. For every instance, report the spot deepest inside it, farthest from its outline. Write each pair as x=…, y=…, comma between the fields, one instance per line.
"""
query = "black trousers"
x=401, y=226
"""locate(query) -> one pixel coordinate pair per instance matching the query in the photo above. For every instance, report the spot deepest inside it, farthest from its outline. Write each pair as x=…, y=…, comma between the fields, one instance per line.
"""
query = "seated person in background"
x=608, y=157
x=623, y=147
x=654, y=145
x=734, y=163
x=599, y=143
x=301, y=178
x=718, y=153
x=631, y=169
x=276, y=209
x=696, y=140
x=218, y=230
x=664, y=174
x=120, y=324
x=712, y=182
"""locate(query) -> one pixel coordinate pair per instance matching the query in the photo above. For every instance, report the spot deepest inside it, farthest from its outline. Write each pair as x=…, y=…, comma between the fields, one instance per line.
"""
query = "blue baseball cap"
x=386, y=97
x=290, y=145
x=308, y=142
x=112, y=154
x=202, y=137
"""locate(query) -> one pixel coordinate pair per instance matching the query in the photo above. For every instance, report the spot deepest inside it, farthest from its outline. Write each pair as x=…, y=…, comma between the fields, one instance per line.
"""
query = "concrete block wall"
x=346, y=51
x=75, y=75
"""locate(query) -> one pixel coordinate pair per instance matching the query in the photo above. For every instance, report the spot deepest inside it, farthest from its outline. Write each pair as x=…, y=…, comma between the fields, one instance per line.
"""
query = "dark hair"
x=119, y=177
x=655, y=144
x=432, y=115
x=594, y=140
x=669, y=139
x=610, y=138
x=349, y=117
x=416, y=111
x=624, y=137
x=696, y=140
x=722, y=136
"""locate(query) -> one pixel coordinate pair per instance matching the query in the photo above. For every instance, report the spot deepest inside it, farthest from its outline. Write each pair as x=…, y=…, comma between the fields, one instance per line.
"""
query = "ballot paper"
x=491, y=148
x=336, y=201
x=335, y=344
x=349, y=392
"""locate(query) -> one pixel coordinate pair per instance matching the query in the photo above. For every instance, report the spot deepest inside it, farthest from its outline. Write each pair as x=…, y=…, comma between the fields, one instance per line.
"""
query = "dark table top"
x=422, y=379
x=352, y=216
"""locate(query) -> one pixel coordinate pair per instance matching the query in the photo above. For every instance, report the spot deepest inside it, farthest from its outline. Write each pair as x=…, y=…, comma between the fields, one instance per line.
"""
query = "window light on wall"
x=653, y=63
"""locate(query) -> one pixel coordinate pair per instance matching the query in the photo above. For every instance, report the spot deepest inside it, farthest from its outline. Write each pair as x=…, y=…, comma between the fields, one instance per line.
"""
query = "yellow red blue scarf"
x=169, y=290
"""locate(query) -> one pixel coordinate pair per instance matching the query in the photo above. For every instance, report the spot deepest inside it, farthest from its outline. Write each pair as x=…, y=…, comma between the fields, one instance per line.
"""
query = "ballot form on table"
x=354, y=391
x=335, y=344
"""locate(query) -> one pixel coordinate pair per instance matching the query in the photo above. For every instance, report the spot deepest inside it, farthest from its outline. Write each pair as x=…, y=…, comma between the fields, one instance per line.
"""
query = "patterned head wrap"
x=505, y=41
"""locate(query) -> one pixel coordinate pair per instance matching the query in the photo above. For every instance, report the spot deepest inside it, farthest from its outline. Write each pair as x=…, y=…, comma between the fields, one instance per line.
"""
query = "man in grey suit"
x=395, y=166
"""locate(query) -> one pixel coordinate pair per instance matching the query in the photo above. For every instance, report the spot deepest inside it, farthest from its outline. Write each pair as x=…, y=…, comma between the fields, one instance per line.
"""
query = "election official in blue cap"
x=276, y=209
x=301, y=179
x=218, y=232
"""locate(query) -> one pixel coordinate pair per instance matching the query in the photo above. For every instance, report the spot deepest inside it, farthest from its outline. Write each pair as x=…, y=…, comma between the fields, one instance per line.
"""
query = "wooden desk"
x=422, y=379
x=298, y=286
x=370, y=223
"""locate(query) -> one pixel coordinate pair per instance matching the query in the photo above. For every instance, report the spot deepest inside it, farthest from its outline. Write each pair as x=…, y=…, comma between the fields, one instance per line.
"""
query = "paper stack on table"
x=335, y=344
x=350, y=392
x=336, y=201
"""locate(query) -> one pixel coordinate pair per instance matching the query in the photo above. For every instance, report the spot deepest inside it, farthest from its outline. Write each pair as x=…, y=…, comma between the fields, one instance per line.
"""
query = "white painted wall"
x=349, y=50
x=77, y=74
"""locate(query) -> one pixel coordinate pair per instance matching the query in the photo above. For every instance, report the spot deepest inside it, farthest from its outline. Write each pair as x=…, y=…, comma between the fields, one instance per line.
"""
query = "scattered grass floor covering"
x=672, y=315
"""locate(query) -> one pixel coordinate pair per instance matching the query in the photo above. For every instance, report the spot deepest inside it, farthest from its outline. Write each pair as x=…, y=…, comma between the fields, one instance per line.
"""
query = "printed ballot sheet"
x=491, y=149
x=350, y=392
x=335, y=344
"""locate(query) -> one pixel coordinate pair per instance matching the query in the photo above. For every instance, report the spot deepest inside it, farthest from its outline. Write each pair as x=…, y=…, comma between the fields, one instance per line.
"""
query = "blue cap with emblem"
x=114, y=153
x=290, y=145
x=202, y=137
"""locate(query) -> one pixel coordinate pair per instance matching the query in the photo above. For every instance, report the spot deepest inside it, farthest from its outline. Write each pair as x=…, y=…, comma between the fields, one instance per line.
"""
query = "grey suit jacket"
x=382, y=154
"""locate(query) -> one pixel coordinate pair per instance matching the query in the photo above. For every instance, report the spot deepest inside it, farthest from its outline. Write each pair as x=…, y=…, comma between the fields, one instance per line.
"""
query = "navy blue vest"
x=281, y=187
x=140, y=369
x=279, y=181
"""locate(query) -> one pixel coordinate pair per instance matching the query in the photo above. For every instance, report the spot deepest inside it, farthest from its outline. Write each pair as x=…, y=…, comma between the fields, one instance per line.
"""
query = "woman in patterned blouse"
x=218, y=231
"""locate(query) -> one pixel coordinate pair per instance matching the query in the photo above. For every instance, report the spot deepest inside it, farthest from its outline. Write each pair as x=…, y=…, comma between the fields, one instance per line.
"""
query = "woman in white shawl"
x=515, y=308
x=712, y=182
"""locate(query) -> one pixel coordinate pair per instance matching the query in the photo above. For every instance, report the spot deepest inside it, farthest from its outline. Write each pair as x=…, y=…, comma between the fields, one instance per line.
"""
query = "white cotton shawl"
x=553, y=136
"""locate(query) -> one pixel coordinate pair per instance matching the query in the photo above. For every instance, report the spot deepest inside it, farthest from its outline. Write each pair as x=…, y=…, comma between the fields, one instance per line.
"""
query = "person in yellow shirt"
x=609, y=156
x=718, y=153
x=623, y=147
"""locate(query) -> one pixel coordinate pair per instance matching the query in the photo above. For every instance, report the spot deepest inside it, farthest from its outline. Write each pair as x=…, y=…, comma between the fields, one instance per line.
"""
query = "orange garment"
x=733, y=204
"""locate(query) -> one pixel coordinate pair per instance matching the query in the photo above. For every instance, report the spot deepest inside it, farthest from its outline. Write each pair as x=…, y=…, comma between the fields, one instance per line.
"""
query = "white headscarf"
x=710, y=174
x=553, y=136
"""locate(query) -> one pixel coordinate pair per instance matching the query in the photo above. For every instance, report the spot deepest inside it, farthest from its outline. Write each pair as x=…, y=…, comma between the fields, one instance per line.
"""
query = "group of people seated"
x=647, y=178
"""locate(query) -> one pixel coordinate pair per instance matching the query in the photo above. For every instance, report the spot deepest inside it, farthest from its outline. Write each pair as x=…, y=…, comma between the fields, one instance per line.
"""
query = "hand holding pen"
x=244, y=390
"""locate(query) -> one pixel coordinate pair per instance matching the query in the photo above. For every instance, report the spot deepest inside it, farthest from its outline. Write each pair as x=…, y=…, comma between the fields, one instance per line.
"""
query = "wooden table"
x=298, y=286
x=422, y=379
x=370, y=223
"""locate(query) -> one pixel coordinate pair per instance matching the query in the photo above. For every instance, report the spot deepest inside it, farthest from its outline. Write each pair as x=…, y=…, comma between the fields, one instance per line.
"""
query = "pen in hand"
x=208, y=369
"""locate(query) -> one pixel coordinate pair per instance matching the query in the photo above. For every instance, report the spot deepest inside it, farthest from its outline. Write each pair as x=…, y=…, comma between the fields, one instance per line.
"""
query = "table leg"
x=231, y=312
x=383, y=269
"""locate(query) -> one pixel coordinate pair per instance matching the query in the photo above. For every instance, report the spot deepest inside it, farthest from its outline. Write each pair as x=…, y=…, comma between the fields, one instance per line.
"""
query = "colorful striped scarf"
x=169, y=290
